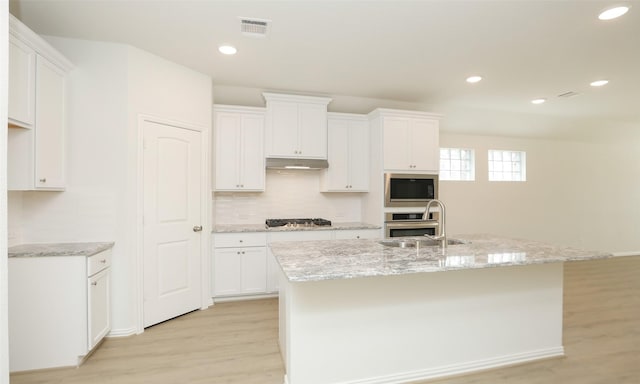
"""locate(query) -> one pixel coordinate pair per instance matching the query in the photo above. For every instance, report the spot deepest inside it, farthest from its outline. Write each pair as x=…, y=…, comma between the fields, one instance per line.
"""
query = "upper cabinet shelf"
x=296, y=126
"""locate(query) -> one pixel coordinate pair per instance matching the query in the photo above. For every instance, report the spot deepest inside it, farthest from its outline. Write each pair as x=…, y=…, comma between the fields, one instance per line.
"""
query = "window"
x=507, y=165
x=457, y=164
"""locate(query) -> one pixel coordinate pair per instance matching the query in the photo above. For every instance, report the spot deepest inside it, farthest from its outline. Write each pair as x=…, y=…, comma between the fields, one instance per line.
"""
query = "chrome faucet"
x=442, y=234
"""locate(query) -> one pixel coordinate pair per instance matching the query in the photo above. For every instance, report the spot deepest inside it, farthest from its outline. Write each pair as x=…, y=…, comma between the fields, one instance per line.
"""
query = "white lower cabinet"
x=239, y=264
x=243, y=265
x=59, y=309
x=99, y=311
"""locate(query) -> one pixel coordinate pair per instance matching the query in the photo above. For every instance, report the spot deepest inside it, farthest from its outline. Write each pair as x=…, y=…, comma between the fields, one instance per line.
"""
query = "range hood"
x=279, y=163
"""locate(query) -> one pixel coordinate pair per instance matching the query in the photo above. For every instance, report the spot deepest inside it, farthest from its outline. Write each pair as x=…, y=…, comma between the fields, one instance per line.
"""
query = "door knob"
x=197, y=228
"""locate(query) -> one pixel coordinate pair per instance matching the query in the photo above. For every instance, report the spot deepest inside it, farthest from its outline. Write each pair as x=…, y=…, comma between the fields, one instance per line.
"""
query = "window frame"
x=471, y=172
x=515, y=164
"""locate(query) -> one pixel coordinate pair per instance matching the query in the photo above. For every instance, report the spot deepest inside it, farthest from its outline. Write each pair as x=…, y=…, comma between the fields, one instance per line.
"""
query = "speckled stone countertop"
x=58, y=249
x=234, y=228
x=345, y=259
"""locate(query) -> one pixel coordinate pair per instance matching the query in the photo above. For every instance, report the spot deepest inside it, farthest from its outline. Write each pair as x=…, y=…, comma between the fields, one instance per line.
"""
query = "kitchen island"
x=358, y=311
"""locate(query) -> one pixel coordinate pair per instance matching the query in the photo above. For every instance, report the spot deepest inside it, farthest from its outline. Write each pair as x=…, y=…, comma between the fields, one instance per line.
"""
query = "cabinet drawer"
x=98, y=262
x=227, y=240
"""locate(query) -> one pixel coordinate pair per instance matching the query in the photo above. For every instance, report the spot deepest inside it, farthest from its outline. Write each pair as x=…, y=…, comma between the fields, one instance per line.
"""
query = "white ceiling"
x=417, y=52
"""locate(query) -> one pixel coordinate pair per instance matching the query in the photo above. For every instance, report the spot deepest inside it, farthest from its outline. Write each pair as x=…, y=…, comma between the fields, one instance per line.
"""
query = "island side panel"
x=397, y=329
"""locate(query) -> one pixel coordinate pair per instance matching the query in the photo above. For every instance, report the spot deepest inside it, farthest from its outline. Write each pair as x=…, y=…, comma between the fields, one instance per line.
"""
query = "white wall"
x=4, y=321
x=288, y=194
x=110, y=87
x=577, y=193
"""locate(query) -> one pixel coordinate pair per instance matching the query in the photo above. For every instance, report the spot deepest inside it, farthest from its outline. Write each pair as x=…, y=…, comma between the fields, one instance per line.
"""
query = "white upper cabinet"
x=37, y=102
x=410, y=141
x=239, y=148
x=50, y=126
x=296, y=126
x=348, y=149
x=22, y=80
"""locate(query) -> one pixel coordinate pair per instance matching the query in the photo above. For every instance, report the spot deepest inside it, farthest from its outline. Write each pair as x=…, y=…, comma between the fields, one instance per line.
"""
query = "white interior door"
x=172, y=215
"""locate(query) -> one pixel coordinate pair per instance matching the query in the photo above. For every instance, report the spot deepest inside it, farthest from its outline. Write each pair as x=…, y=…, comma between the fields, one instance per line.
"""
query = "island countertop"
x=346, y=259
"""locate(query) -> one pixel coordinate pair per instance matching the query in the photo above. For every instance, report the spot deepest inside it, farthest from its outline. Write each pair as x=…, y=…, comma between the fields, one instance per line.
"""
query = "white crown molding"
x=296, y=98
x=386, y=112
x=38, y=44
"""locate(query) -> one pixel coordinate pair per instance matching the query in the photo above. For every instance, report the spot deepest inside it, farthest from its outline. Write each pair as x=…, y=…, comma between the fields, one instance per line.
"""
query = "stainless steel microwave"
x=409, y=190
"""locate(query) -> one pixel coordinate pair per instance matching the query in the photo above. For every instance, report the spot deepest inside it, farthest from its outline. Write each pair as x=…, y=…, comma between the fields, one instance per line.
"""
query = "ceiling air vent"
x=254, y=27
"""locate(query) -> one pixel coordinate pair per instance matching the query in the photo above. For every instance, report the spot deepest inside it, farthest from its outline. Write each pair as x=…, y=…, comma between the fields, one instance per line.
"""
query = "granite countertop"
x=235, y=228
x=58, y=249
x=345, y=259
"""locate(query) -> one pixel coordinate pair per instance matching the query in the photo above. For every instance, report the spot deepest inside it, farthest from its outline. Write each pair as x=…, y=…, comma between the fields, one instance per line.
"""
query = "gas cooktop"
x=295, y=223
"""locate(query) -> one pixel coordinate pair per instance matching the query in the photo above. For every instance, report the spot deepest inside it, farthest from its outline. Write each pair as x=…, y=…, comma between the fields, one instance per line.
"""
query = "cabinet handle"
x=197, y=228
x=94, y=283
x=357, y=237
x=103, y=261
x=43, y=180
x=241, y=241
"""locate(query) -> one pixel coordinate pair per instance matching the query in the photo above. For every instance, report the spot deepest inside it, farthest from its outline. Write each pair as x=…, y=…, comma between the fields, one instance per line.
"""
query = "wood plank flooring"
x=236, y=343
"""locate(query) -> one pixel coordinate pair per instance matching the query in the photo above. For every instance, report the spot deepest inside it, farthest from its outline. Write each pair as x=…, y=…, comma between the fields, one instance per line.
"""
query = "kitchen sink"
x=412, y=243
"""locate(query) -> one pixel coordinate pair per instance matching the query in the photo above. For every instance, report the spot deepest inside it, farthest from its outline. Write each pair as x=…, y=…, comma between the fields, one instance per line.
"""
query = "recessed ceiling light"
x=599, y=83
x=538, y=101
x=473, y=79
x=613, y=13
x=227, y=49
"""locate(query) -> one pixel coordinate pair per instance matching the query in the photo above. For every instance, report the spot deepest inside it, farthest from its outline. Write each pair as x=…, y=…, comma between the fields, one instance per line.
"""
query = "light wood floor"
x=236, y=343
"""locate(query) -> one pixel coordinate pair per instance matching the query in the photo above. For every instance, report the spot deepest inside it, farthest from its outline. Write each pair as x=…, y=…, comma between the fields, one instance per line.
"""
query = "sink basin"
x=411, y=243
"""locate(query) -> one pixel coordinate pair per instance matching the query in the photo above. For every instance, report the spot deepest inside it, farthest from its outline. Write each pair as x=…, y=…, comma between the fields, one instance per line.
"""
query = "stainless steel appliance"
x=409, y=190
x=296, y=223
x=402, y=224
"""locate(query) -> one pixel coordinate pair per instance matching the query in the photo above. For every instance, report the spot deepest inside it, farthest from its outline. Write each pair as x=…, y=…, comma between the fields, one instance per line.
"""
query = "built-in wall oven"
x=409, y=190
x=402, y=224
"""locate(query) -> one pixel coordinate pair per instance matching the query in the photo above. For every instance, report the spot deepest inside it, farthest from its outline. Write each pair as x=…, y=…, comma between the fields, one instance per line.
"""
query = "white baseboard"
x=619, y=254
x=122, y=332
x=222, y=299
x=458, y=369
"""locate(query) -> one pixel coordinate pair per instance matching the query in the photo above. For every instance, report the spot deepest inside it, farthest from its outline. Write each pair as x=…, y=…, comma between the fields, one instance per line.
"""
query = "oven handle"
x=412, y=224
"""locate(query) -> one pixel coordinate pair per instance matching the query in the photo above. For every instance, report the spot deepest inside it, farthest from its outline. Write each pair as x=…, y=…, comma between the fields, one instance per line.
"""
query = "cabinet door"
x=254, y=270
x=312, y=131
x=50, y=138
x=396, y=140
x=22, y=71
x=99, y=307
x=425, y=148
x=252, y=172
x=336, y=177
x=227, y=151
x=227, y=271
x=358, y=156
x=282, y=129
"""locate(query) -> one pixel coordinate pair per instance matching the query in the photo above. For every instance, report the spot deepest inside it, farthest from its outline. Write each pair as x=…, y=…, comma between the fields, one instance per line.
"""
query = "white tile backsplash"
x=288, y=194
